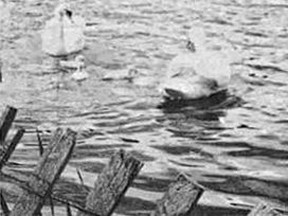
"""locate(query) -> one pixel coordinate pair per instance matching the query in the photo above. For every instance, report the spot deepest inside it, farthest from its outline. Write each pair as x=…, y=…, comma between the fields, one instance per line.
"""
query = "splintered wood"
x=46, y=173
x=1, y=64
x=180, y=199
x=7, y=152
x=4, y=206
x=6, y=121
x=111, y=184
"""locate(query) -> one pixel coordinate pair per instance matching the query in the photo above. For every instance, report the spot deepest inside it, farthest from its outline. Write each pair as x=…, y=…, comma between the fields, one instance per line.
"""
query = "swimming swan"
x=196, y=73
x=63, y=34
x=80, y=74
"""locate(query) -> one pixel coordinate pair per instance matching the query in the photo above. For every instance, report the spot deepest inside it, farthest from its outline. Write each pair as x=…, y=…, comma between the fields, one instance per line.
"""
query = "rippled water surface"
x=234, y=143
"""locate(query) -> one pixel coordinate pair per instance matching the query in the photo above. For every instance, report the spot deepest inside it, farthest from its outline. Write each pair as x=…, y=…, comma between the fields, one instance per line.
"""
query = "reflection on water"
x=234, y=143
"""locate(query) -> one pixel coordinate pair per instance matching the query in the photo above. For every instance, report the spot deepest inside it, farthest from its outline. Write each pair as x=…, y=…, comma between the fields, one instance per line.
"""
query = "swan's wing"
x=181, y=66
x=74, y=40
x=189, y=88
x=74, y=35
x=214, y=66
x=50, y=37
x=209, y=64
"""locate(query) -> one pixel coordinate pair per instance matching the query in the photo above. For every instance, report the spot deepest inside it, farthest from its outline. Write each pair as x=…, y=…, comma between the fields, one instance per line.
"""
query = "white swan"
x=63, y=34
x=196, y=73
x=80, y=74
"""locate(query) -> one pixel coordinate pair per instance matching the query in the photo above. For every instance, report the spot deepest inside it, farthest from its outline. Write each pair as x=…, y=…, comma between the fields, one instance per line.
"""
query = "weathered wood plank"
x=50, y=166
x=180, y=199
x=264, y=210
x=111, y=184
x=62, y=190
x=1, y=64
x=6, y=121
x=68, y=209
x=4, y=206
x=5, y=154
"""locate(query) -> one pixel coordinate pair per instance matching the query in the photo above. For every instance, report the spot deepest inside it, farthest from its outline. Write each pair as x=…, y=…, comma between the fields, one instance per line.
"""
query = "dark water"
x=234, y=143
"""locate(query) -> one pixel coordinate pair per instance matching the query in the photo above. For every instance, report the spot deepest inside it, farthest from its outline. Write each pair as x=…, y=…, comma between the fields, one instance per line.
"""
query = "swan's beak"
x=69, y=14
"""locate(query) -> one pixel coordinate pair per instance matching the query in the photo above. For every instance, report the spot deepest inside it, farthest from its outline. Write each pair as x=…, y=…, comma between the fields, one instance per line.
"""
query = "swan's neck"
x=62, y=38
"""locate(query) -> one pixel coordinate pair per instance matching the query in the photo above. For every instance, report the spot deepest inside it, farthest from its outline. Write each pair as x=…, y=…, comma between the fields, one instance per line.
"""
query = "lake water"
x=234, y=144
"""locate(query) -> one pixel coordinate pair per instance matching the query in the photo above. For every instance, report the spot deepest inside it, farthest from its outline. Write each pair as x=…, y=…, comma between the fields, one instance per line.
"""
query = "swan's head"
x=196, y=39
x=63, y=10
x=190, y=46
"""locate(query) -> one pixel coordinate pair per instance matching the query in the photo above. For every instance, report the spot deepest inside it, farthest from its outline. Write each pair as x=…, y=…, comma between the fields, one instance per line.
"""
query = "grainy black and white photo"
x=144, y=107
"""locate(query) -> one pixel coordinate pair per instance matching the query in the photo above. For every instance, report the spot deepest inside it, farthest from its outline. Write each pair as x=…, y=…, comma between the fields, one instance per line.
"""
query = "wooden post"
x=50, y=166
x=1, y=64
x=6, y=120
x=180, y=199
x=6, y=153
x=263, y=210
x=111, y=184
x=4, y=206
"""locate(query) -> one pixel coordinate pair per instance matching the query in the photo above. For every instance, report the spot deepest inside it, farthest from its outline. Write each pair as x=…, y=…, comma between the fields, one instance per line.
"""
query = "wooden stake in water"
x=1, y=64
x=5, y=154
x=111, y=184
x=4, y=206
x=48, y=170
x=68, y=209
x=6, y=121
x=180, y=199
